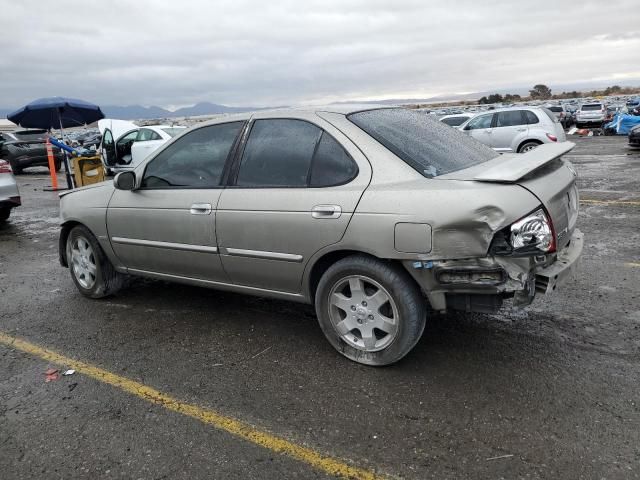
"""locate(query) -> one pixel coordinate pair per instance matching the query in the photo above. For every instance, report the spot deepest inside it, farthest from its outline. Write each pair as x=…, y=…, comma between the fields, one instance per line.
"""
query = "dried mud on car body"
x=545, y=392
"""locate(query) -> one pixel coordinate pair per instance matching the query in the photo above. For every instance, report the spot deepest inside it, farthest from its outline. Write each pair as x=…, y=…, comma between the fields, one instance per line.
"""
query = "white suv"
x=591, y=114
x=515, y=129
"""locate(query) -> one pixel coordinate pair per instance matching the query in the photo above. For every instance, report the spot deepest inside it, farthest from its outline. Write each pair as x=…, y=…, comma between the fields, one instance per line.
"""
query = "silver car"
x=370, y=214
x=515, y=129
x=593, y=113
x=9, y=194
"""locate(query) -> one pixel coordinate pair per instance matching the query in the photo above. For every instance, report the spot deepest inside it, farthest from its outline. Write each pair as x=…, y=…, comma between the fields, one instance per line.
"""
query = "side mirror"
x=125, y=181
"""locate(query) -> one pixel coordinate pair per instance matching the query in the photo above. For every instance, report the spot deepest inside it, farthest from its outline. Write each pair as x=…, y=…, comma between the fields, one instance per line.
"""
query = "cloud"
x=246, y=52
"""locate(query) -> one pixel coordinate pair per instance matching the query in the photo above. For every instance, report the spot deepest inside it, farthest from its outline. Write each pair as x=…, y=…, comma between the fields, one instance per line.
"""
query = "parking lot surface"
x=550, y=391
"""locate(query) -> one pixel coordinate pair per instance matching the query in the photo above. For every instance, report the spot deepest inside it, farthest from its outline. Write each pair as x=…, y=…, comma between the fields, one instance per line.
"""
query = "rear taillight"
x=553, y=138
x=5, y=167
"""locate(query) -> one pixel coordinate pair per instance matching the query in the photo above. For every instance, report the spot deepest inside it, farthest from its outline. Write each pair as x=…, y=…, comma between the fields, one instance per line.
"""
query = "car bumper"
x=549, y=278
x=9, y=194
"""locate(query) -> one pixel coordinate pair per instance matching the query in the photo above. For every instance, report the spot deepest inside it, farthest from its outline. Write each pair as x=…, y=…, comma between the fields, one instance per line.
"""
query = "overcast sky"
x=270, y=52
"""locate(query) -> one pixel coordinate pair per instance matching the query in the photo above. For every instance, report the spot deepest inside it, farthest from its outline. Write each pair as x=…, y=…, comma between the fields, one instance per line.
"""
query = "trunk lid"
x=542, y=172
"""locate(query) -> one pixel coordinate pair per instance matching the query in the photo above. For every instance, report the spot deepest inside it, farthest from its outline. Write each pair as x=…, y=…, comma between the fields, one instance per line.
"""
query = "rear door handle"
x=200, y=209
x=326, y=211
x=521, y=129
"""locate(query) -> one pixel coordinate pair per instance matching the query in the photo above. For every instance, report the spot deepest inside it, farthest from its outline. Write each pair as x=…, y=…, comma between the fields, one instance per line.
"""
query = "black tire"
x=403, y=290
x=528, y=146
x=4, y=214
x=15, y=168
x=107, y=280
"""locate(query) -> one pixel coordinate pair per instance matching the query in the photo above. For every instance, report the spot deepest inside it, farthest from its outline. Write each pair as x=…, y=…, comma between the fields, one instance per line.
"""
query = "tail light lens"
x=553, y=138
x=5, y=167
x=533, y=234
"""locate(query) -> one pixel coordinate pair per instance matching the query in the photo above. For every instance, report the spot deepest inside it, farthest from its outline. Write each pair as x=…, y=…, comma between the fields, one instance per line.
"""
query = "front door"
x=167, y=225
x=294, y=192
x=480, y=128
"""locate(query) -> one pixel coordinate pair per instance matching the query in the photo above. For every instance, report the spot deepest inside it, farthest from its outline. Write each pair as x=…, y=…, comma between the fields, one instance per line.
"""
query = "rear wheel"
x=371, y=311
x=528, y=146
x=90, y=269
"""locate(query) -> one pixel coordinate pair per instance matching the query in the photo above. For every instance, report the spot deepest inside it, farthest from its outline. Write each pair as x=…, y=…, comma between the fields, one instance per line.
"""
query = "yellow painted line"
x=609, y=202
x=633, y=264
x=322, y=462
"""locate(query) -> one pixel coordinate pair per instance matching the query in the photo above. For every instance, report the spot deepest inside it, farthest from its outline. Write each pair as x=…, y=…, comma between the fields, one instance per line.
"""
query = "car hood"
x=117, y=127
x=105, y=184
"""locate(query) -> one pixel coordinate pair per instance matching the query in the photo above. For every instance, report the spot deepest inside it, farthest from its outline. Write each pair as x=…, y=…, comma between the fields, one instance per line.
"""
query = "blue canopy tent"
x=57, y=112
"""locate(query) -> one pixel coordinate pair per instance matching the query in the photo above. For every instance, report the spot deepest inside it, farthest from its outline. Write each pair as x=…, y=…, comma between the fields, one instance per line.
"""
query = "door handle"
x=521, y=129
x=326, y=211
x=200, y=209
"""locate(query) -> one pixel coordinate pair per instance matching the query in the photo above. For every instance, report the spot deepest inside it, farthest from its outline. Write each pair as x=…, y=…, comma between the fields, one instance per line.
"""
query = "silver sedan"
x=371, y=214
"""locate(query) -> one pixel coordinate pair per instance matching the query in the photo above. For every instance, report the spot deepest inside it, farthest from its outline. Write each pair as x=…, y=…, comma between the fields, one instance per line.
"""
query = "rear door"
x=480, y=128
x=167, y=225
x=510, y=129
x=296, y=185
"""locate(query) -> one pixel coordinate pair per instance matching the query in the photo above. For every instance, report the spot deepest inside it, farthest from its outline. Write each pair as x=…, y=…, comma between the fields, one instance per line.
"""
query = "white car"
x=515, y=129
x=593, y=113
x=457, y=119
x=124, y=144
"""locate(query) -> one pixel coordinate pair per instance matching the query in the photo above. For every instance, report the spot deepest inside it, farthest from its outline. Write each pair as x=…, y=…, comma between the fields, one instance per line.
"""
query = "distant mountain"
x=133, y=112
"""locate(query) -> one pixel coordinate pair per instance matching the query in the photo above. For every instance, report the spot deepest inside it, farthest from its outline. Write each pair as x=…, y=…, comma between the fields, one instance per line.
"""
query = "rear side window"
x=195, y=160
x=278, y=153
x=331, y=164
x=530, y=117
x=509, y=118
x=427, y=145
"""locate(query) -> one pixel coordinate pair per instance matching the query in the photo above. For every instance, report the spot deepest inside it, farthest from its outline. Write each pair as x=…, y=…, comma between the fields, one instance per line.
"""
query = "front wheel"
x=91, y=270
x=371, y=311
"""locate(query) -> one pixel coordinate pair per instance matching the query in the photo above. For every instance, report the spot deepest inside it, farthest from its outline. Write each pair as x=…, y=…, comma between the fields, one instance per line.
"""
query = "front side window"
x=509, y=118
x=278, y=153
x=195, y=160
x=427, y=145
x=481, y=121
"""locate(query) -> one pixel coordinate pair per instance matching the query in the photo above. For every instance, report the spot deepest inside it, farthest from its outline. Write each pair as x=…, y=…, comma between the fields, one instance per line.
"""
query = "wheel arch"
x=62, y=240
x=529, y=140
x=322, y=263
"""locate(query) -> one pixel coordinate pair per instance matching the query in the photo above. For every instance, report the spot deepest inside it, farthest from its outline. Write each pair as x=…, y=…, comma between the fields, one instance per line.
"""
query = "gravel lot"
x=551, y=391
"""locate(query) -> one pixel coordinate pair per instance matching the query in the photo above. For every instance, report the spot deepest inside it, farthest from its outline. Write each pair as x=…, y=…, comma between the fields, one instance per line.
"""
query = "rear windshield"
x=172, y=132
x=454, y=121
x=551, y=115
x=595, y=106
x=555, y=109
x=30, y=134
x=427, y=145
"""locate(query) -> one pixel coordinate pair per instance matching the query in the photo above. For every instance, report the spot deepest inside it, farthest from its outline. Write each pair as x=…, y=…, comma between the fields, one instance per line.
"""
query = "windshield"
x=427, y=145
x=555, y=109
x=172, y=132
x=454, y=121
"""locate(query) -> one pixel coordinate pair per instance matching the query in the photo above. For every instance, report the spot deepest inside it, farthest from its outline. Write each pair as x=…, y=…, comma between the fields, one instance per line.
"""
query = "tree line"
x=543, y=92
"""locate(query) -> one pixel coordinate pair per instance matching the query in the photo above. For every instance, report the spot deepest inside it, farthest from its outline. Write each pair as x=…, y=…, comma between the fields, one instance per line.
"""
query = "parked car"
x=27, y=148
x=362, y=213
x=633, y=102
x=591, y=114
x=515, y=129
x=634, y=137
x=9, y=194
x=562, y=114
x=124, y=144
x=457, y=119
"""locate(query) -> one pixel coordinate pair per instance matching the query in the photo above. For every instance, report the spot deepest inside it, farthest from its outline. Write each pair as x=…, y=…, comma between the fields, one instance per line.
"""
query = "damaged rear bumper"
x=483, y=283
x=549, y=278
